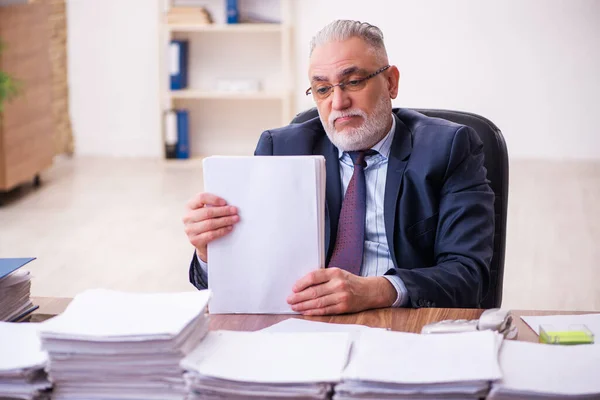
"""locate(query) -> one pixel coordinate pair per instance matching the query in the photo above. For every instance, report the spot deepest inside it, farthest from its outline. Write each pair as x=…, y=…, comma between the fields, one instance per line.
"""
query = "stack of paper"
x=22, y=362
x=114, y=345
x=544, y=371
x=396, y=365
x=263, y=365
x=280, y=235
x=15, y=286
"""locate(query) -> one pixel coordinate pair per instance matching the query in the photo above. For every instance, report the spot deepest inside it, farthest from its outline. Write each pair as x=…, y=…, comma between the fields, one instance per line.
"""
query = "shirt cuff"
x=203, y=265
x=402, y=297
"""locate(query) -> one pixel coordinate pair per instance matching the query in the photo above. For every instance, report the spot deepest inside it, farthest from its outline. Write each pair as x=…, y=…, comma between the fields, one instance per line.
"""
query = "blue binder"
x=233, y=13
x=183, y=138
x=178, y=64
x=9, y=265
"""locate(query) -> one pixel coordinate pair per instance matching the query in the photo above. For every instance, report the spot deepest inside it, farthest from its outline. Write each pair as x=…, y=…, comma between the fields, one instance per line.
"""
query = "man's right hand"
x=208, y=217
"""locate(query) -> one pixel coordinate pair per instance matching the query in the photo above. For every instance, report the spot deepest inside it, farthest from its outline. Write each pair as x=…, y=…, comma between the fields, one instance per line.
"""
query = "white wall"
x=531, y=66
x=113, y=77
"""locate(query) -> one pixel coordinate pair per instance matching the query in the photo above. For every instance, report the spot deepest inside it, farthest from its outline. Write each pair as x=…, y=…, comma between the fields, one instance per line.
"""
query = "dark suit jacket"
x=438, y=206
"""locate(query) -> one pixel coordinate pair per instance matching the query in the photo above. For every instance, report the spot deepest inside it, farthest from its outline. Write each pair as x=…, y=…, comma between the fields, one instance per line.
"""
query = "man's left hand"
x=335, y=291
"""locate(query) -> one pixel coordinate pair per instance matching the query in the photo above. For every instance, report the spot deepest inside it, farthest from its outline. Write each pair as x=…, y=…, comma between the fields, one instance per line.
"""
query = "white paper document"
x=393, y=365
x=264, y=357
x=20, y=348
x=560, y=322
x=236, y=365
x=111, y=316
x=280, y=235
x=22, y=361
x=302, y=325
x=544, y=371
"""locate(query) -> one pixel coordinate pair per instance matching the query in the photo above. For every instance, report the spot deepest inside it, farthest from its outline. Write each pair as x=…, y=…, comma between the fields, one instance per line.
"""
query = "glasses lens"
x=321, y=92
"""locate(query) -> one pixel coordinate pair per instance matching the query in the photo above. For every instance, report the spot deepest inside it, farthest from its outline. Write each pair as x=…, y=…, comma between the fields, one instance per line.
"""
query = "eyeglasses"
x=322, y=91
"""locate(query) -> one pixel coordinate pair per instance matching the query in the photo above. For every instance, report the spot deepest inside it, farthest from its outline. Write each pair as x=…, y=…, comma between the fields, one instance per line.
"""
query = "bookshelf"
x=229, y=122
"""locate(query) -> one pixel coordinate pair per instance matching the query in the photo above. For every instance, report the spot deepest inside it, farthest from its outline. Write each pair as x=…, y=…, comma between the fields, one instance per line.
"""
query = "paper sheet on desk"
x=592, y=321
x=532, y=370
x=273, y=358
x=451, y=357
x=301, y=325
x=280, y=235
x=20, y=348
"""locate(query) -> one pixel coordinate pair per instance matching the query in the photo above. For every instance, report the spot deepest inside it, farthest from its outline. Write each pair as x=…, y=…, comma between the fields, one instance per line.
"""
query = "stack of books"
x=22, y=362
x=15, y=288
x=189, y=15
x=115, y=345
x=396, y=365
x=263, y=365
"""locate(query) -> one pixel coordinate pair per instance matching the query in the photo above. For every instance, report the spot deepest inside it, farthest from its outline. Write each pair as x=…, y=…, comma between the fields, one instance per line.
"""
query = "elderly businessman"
x=410, y=218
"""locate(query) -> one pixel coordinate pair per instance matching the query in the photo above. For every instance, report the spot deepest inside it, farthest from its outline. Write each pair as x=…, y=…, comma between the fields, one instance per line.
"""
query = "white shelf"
x=241, y=28
x=199, y=94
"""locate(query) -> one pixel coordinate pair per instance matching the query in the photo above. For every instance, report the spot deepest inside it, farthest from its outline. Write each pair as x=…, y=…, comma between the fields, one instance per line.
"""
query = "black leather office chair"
x=496, y=163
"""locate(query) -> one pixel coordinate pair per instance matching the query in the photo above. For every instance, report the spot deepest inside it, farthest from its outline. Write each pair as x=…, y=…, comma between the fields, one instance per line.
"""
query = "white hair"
x=344, y=29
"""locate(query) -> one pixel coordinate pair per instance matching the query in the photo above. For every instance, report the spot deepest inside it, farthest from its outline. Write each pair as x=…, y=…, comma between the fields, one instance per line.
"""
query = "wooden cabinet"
x=26, y=125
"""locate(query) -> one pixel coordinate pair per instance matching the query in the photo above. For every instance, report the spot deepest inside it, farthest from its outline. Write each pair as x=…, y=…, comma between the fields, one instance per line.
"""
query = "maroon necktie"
x=350, y=240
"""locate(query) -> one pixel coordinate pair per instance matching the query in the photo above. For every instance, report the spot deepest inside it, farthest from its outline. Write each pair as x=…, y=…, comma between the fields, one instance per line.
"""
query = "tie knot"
x=358, y=157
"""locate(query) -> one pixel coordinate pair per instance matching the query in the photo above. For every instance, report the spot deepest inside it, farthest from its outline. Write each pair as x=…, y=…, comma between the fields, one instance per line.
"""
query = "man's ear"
x=393, y=79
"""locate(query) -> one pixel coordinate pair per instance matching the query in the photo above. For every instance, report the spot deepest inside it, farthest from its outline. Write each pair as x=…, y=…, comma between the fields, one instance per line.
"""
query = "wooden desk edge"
x=408, y=320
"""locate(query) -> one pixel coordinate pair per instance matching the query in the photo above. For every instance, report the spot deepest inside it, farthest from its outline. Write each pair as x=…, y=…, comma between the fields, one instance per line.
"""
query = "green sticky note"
x=573, y=335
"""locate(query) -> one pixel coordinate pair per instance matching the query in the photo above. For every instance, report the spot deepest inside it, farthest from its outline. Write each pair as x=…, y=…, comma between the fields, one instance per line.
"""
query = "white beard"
x=372, y=130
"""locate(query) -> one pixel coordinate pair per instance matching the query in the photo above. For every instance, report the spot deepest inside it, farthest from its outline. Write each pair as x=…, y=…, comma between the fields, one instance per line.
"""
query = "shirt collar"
x=384, y=145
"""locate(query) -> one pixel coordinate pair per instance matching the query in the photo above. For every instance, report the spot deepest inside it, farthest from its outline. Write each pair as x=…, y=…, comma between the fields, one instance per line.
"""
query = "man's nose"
x=340, y=99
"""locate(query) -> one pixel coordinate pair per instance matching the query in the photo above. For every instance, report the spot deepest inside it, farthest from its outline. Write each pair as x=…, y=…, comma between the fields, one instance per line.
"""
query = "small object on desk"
x=574, y=334
x=494, y=319
x=563, y=322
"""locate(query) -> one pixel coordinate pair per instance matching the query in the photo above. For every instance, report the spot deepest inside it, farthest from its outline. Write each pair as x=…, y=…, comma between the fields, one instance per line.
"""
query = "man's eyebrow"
x=317, y=78
x=350, y=71
x=344, y=73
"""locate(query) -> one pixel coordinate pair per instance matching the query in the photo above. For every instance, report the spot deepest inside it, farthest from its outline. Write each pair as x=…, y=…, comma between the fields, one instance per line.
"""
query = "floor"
x=116, y=223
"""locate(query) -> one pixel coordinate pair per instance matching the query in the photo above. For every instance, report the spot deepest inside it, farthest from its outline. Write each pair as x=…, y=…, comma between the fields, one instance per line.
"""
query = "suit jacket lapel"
x=399, y=153
x=333, y=202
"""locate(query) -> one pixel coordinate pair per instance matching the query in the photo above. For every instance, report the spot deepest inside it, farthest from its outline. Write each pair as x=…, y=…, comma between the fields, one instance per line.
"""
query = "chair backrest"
x=496, y=163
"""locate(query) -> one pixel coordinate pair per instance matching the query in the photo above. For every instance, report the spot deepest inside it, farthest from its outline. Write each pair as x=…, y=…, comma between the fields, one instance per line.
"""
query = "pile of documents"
x=544, y=371
x=396, y=365
x=15, y=286
x=22, y=362
x=256, y=276
x=263, y=365
x=115, y=345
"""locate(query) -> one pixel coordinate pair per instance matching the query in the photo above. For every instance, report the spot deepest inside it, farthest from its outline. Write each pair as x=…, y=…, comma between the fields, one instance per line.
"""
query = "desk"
x=396, y=319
